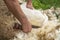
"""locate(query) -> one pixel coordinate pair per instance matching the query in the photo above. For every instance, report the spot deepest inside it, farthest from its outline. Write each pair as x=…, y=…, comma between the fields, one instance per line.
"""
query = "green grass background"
x=45, y=4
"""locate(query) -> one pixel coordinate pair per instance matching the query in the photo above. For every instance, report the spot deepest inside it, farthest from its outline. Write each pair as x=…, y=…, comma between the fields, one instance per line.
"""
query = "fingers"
x=17, y=26
x=25, y=28
x=29, y=6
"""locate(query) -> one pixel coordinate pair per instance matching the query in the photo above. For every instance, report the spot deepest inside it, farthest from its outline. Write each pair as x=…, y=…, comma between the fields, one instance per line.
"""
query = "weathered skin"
x=15, y=8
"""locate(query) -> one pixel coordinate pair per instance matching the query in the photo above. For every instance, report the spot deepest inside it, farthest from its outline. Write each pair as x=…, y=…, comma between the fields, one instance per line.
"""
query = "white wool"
x=35, y=17
x=27, y=36
x=49, y=30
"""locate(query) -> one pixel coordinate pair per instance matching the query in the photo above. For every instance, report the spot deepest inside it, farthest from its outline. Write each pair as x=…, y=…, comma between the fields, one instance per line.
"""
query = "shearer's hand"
x=27, y=27
x=29, y=5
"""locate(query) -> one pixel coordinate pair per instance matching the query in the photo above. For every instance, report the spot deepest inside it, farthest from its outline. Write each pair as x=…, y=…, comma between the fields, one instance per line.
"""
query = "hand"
x=29, y=5
x=27, y=27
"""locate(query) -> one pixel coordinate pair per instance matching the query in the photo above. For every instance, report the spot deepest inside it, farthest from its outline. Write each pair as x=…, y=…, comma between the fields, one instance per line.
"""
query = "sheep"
x=44, y=32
